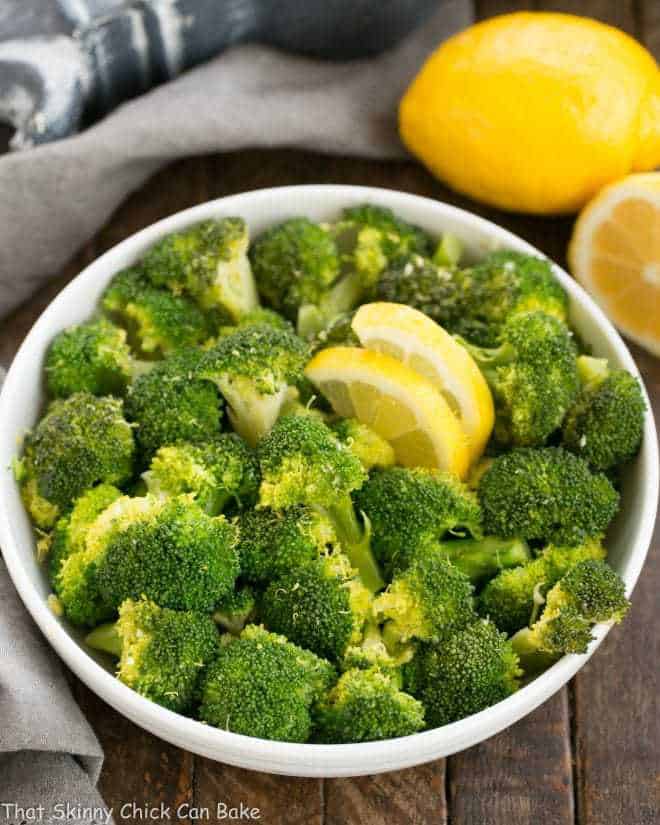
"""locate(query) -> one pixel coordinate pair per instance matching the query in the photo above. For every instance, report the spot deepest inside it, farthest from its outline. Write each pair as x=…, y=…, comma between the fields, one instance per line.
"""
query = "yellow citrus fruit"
x=535, y=111
x=418, y=342
x=398, y=403
x=615, y=254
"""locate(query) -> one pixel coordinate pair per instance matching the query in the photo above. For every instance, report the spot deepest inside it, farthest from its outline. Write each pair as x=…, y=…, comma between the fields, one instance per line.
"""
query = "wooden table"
x=590, y=755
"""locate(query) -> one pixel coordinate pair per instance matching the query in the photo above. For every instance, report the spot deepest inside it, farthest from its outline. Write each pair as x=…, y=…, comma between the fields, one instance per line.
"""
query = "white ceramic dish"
x=21, y=401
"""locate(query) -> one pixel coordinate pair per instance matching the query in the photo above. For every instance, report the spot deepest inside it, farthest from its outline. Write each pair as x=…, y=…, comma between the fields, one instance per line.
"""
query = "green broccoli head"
x=321, y=605
x=258, y=316
x=511, y=598
x=234, y=611
x=367, y=705
x=216, y=473
x=173, y=553
x=256, y=369
x=209, y=262
x=472, y=670
x=263, y=685
x=548, y=494
x=503, y=285
x=589, y=593
x=92, y=357
x=302, y=462
x=533, y=377
x=161, y=652
x=364, y=443
x=274, y=542
x=427, y=601
x=408, y=507
x=383, y=237
x=158, y=321
x=606, y=423
x=81, y=441
x=171, y=404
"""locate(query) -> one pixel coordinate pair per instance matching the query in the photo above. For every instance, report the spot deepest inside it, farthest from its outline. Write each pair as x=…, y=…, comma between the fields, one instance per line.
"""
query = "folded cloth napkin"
x=55, y=196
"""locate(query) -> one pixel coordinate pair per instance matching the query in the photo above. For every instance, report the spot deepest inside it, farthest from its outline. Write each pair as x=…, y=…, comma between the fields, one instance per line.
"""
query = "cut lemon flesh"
x=418, y=342
x=615, y=254
x=398, y=403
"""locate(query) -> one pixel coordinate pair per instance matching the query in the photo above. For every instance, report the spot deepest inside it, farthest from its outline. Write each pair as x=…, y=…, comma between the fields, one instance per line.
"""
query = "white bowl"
x=21, y=402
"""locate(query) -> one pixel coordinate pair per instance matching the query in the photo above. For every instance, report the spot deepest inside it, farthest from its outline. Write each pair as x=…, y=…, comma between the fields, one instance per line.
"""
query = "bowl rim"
x=314, y=760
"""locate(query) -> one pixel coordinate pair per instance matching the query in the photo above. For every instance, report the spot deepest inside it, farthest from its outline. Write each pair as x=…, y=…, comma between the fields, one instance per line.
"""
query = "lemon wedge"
x=398, y=403
x=418, y=342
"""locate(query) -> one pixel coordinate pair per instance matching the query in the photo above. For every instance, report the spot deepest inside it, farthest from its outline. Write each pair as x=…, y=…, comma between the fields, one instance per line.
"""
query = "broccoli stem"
x=344, y=296
x=105, y=637
x=489, y=358
x=482, y=559
x=532, y=660
x=355, y=540
x=592, y=371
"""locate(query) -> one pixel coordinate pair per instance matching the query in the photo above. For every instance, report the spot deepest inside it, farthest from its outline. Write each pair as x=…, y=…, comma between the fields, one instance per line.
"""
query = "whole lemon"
x=535, y=112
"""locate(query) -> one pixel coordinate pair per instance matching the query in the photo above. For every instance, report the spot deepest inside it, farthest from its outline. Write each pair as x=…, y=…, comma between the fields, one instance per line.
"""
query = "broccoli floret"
x=294, y=264
x=503, y=285
x=472, y=670
x=533, y=377
x=256, y=369
x=71, y=530
x=511, y=597
x=367, y=705
x=260, y=315
x=216, y=473
x=275, y=542
x=364, y=443
x=408, y=507
x=161, y=652
x=234, y=611
x=302, y=462
x=427, y=601
x=606, y=423
x=263, y=685
x=591, y=592
x=170, y=403
x=92, y=357
x=173, y=553
x=547, y=494
x=208, y=261
x=81, y=441
x=374, y=650
x=481, y=559
x=158, y=321
x=321, y=606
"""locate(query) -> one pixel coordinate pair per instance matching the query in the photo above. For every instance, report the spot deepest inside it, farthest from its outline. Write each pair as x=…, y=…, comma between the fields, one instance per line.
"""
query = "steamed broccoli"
x=81, y=441
x=364, y=443
x=170, y=404
x=533, y=376
x=339, y=332
x=92, y=357
x=302, y=462
x=472, y=670
x=591, y=592
x=606, y=423
x=234, y=611
x=256, y=369
x=215, y=472
x=511, y=597
x=374, y=650
x=263, y=685
x=320, y=605
x=427, y=601
x=172, y=553
x=407, y=507
x=481, y=559
x=158, y=321
x=273, y=543
x=547, y=494
x=161, y=652
x=260, y=315
x=366, y=705
x=209, y=262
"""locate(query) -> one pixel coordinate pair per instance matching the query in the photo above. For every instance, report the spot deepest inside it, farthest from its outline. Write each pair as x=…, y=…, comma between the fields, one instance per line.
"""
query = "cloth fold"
x=54, y=197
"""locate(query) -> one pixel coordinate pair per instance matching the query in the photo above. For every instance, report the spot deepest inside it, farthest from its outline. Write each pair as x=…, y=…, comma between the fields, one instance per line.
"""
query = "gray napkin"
x=54, y=197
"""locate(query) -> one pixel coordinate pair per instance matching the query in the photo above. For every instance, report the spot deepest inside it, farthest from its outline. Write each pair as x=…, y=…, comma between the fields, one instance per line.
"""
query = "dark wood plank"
x=280, y=800
x=619, y=13
x=520, y=776
x=649, y=25
x=411, y=797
